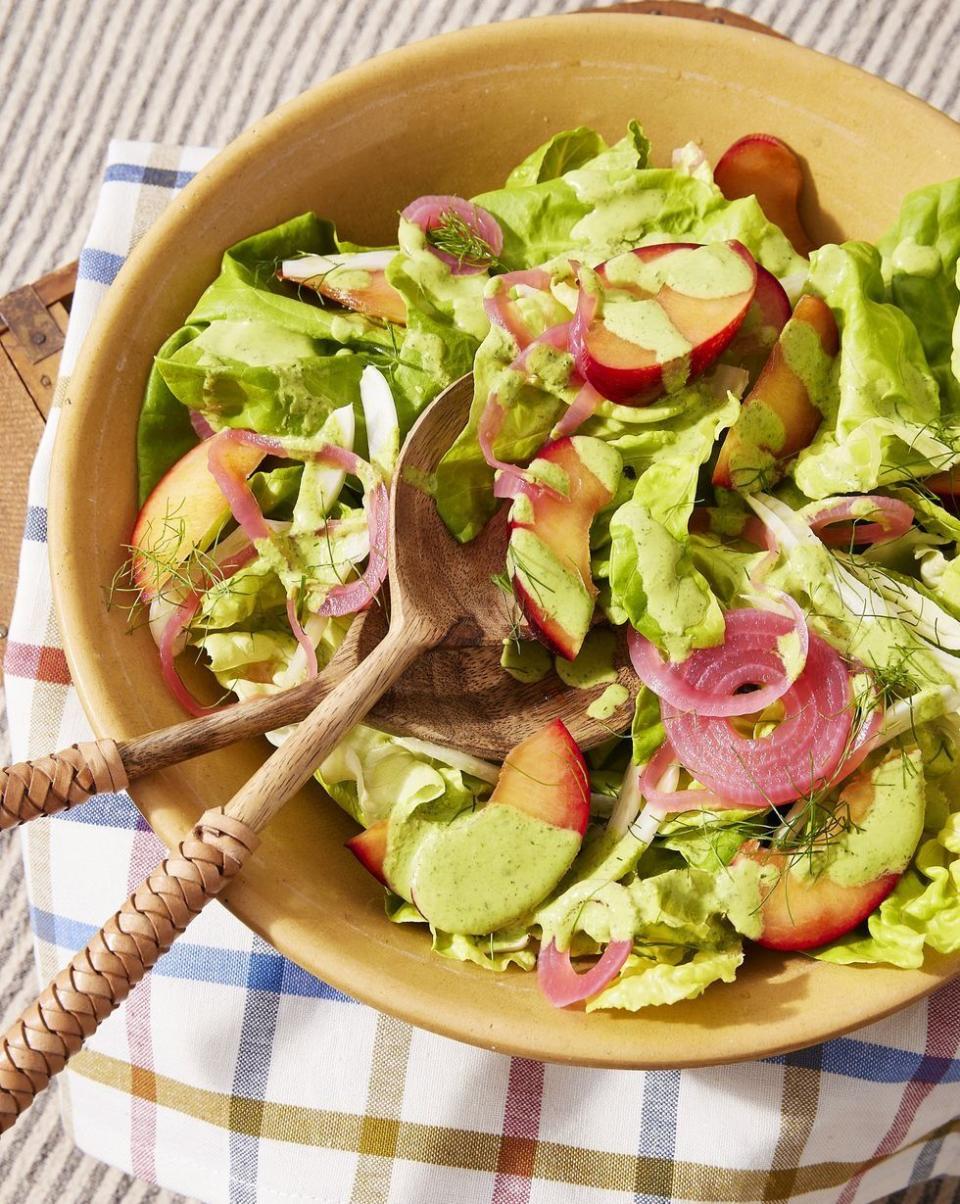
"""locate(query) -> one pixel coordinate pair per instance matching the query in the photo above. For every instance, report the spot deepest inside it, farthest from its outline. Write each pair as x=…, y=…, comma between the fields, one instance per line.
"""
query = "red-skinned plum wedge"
x=766, y=317
x=761, y=165
x=778, y=418
x=370, y=849
x=657, y=317
x=546, y=776
x=548, y=556
x=488, y=867
x=185, y=511
x=358, y=282
x=809, y=899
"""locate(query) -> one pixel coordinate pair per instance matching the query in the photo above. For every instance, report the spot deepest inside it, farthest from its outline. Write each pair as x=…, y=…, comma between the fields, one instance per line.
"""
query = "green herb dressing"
x=525, y=660
x=593, y=665
x=606, y=705
x=805, y=357
x=913, y=259
x=259, y=344
x=883, y=839
x=646, y=324
x=488, y=868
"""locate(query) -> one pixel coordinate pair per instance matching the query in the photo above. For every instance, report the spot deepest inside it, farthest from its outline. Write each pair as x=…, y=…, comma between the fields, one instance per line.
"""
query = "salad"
x=741, y=450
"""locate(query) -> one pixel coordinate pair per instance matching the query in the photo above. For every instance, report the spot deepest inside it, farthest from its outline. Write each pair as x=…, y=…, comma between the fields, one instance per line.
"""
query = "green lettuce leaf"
x=563, y=152
x=883, y=423
x=263, y=377
x=920, y=260
x=370, y=774
x=923, y=910
x=464, y=482
x=613, y=201
x=646, y=731
x=164, y=433
x=682, y=943
x=647, y=981
x=653, y=580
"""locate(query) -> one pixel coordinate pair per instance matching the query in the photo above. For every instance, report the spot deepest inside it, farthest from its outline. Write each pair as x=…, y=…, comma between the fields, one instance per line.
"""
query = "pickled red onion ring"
x=429, y=212
x=179, y=619
x=501, y=310
x=243, y=505
x=302, y=638
x=562, y=985
x=200, y=425
x=345, y=599
x=580, y=409
x=351, y=596
x=804, y=751
x=672, y=802
x=508, y=484
x=894, y=517
x=751, y=638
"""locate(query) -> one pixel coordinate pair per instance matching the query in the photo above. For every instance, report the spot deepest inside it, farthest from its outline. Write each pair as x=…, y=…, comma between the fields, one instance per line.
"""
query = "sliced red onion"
x=302, y=638
x=895, y=518
x=562, y=985
x=180, y=618
x=201, y=427
x=429, y=212
x=580, y=409
x=508, y=484
x=804, y=751
x=243, y=505
x=352, y=596
x=501, y=309
x=586, y=311
x=751, y=638
x=355, y=595
x=672, y=802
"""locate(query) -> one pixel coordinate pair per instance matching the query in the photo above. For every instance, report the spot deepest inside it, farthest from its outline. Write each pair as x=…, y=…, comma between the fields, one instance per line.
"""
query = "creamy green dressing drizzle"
x=525, y=660
x=646, y=324
x=593, y=664
x=606, y=705
x=488, y=868
x=807, y=360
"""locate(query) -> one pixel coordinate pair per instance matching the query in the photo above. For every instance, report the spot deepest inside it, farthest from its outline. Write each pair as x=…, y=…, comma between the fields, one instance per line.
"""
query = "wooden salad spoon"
x=453, y=690
x=442, y=598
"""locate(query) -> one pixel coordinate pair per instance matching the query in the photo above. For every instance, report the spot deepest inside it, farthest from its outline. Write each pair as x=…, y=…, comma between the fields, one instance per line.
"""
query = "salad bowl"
x=453, y=115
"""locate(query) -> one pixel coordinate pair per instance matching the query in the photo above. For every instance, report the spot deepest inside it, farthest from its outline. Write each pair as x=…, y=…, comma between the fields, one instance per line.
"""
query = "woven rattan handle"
x=38, y=1045
x=33, y=788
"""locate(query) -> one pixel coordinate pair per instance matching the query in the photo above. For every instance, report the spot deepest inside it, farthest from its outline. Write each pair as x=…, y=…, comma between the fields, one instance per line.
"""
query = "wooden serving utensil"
x=442, y=598
x=455, y=692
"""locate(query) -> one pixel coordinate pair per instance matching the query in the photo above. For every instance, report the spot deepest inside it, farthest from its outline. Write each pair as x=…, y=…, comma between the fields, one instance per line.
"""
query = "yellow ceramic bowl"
x=453, y=115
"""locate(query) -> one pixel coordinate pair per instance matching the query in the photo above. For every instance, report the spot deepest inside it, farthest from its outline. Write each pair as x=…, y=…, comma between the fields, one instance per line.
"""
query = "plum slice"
x=807, y=901
x=489, y=867
x=778, y=418
x=185, y=510
x=548, y=555
x=768, y=314
x=358, y=282
x=370, y=849
x=659, y=316
x=761, y=165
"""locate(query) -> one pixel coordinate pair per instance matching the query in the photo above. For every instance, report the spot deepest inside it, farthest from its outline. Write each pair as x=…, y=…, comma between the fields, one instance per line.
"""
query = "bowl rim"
x=66, y=470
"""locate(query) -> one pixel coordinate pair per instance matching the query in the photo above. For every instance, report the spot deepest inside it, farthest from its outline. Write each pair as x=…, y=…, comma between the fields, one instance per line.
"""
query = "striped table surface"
x=409, y=1118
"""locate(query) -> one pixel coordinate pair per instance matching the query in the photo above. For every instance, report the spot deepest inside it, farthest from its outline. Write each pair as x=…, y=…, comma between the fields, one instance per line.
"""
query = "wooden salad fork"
x=443, y=598
x=483, y=711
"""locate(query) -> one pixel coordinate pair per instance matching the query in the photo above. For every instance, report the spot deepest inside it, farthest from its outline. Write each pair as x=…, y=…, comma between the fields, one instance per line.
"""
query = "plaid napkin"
x=232, y=1075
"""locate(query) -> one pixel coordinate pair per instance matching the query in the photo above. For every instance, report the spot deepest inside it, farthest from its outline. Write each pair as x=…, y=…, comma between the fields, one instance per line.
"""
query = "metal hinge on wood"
x=27, y=318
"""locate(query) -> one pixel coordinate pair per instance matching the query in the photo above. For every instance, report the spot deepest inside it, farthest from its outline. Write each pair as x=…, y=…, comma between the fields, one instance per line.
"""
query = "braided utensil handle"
x=33, y=788
x=38, y=1044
